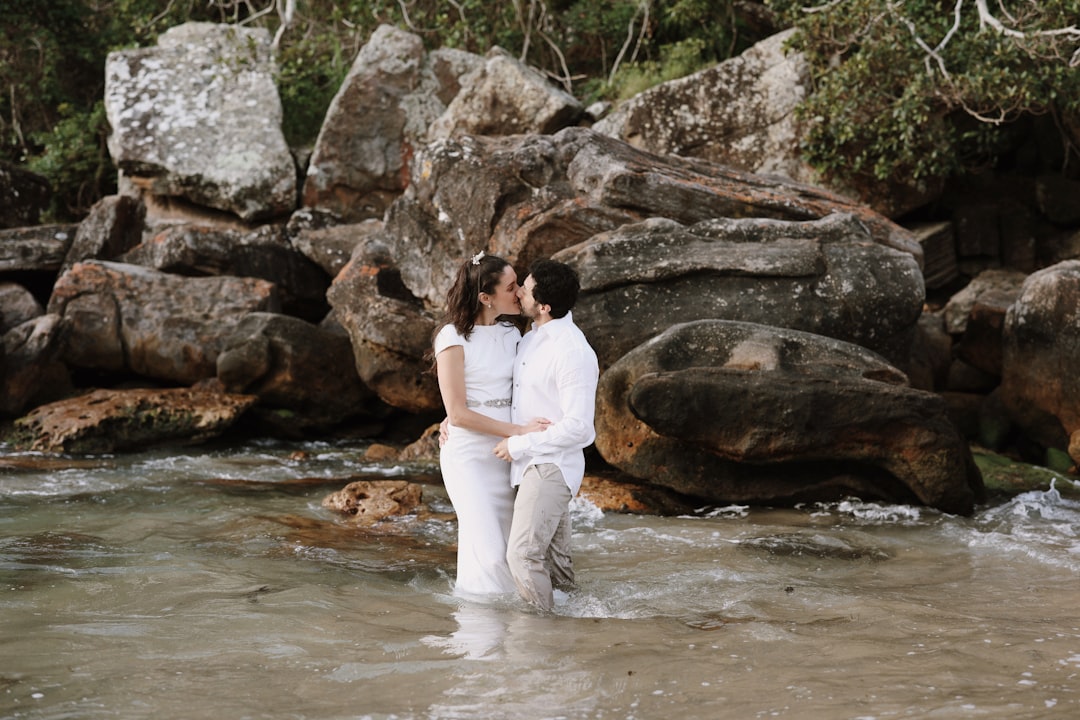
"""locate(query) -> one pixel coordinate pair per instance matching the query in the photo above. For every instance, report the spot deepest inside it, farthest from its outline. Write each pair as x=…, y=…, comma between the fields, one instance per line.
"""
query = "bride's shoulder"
x=448, y=335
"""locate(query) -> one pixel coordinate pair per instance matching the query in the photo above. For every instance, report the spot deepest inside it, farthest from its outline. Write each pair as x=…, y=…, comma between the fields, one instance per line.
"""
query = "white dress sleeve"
x=448, y=336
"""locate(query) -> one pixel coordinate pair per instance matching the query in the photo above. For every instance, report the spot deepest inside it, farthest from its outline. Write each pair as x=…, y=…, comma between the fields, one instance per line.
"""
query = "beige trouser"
x=538, y=551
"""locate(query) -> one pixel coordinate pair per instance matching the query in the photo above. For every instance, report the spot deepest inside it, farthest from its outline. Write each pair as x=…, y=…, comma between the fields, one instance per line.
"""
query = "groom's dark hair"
x=557, y=286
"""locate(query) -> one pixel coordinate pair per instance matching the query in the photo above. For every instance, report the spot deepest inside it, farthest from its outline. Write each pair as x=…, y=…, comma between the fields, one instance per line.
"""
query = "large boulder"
x=105, y=421
x=529, y=196
x=17, y=305
x=994, y=288
x=303, y=374
x=330, y=245
x=30, y=370
x=745, y=413
x=37, y=248
x=503, y=96
x=976, y=316
x=198, y=117
x=267, y=253
x=389, y=329
x=740, y=112
x=128, y=319
x=380, y=115
x=822, y=276
x=113, y=226
x=1040, y=384
x=613, y=174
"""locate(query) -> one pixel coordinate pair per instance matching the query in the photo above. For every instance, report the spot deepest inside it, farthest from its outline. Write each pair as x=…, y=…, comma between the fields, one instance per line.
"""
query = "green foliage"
x=676, y=60
x=309, y=75
x=644, y=43
x=52, y=78
x=903, y=90
x=31, y=61
x=76, y=161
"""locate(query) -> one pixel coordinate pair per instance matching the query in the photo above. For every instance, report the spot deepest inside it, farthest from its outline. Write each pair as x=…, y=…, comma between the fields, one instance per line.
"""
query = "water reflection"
x=480, y=635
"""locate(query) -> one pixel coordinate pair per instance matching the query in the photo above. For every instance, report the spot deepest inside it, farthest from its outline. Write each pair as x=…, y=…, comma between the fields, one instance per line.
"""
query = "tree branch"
x=822, y=8
x=526, y=26
x=986, y=18
x=645, y=6
x=626, y=45
x=286, y=15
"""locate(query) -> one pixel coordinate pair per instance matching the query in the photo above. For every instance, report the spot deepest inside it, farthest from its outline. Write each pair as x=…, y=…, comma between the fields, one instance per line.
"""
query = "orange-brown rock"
x=126, y=318
x=425, y=448
x=369, y=501
x=105, y=421
x=627, y=496
x=380, y=452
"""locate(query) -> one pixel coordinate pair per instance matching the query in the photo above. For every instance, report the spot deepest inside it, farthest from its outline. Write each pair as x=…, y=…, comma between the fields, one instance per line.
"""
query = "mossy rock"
x=1004, y=476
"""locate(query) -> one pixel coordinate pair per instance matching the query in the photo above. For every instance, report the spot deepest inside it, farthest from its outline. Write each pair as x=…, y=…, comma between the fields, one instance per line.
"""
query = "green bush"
x=52, y=80
x=309, y=74
x=907, y=90
x=76, y=161
x=676, y=61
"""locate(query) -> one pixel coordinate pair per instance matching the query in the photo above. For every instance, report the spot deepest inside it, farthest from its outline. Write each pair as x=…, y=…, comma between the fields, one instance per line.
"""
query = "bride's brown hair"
x=479, y=274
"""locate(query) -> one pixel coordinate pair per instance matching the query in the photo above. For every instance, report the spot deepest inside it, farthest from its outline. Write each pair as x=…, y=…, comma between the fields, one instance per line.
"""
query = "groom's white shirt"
x=555, y=376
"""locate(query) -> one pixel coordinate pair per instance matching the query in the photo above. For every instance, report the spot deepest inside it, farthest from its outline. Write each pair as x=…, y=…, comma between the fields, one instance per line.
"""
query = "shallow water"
x=211, y=583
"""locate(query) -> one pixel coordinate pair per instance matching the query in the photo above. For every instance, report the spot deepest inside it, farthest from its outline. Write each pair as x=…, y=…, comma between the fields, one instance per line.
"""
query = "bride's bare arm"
x=450, y=366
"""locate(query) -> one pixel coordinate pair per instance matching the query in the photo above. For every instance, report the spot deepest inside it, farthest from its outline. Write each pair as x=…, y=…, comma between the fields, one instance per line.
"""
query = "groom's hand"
x=502, y=452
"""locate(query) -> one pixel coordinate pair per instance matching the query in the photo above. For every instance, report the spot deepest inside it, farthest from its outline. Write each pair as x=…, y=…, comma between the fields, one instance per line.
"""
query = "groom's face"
x=529, y=306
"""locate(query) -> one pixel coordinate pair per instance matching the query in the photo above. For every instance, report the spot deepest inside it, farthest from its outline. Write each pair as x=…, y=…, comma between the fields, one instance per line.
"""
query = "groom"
x=555, y=376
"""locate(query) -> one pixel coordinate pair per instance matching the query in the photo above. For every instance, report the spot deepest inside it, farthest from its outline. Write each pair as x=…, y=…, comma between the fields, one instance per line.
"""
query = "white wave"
x=1040, y=525
x=872, y=512
x=728, y=511
x=1040, y=506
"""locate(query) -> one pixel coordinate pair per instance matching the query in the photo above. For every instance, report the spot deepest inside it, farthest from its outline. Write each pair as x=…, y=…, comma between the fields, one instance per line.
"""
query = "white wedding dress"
x=477, y=482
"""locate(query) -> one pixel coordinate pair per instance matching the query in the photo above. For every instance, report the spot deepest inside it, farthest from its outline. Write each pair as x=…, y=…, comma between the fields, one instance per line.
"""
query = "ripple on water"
x=155, y=579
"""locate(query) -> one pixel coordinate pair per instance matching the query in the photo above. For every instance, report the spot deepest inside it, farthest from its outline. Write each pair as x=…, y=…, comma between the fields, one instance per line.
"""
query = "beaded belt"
x=488, y=403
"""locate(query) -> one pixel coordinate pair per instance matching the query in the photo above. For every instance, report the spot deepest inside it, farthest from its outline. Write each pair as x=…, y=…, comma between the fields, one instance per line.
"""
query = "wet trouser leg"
x=538, y=551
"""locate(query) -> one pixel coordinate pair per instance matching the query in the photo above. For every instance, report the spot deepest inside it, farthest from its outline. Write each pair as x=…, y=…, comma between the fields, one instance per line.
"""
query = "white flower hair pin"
x=477, y=257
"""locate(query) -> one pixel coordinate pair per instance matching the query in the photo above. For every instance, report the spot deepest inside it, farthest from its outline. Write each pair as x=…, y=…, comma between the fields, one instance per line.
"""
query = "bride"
x=474, y=358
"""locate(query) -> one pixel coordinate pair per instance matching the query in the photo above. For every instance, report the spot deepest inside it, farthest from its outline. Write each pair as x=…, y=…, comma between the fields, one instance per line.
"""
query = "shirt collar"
x=555, y=326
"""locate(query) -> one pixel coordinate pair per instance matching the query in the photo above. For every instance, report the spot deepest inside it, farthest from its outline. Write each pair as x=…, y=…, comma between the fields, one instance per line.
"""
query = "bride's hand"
x=535, y=425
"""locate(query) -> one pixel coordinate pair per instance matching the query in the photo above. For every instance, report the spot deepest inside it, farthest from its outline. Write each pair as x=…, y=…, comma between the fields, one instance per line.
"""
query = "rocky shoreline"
x=762, y=339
